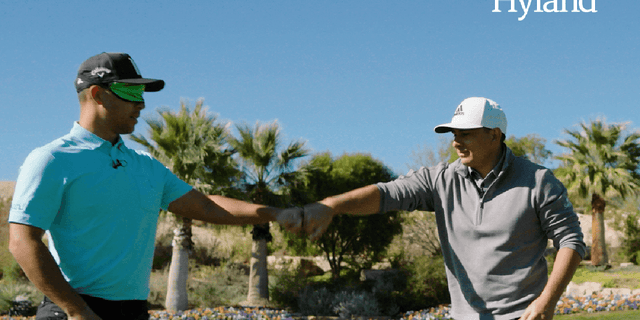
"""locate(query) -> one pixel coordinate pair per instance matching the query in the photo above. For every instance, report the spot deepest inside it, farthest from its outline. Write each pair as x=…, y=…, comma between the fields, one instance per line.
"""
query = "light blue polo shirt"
x=101, y=220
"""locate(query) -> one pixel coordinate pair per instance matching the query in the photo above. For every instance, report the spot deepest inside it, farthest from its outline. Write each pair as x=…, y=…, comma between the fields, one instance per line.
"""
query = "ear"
x=497, y=134
x=96, y=93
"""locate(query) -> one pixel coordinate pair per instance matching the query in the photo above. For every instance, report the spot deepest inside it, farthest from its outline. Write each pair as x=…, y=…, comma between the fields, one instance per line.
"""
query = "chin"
x=128, y=130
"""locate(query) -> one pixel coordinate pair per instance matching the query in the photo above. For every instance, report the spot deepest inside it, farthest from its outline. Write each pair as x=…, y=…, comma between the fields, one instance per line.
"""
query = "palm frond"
x=600, y=160
x=193, y=144
x=261, y=159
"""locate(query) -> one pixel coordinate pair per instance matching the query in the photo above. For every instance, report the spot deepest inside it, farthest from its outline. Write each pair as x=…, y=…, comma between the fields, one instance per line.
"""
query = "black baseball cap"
x=109, y=67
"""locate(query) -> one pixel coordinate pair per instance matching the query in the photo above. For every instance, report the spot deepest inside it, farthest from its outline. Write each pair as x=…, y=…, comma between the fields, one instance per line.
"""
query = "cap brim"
x=448, y=127
x=151, y=85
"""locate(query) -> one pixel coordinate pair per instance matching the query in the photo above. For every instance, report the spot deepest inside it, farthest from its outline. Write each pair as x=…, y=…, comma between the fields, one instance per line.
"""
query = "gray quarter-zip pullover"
x=493, y=242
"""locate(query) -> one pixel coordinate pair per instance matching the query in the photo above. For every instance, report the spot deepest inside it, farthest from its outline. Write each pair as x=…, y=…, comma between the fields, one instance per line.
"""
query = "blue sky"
x=346, y=76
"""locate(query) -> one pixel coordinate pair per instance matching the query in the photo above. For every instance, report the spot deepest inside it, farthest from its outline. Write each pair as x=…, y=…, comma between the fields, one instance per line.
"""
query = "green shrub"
x=5, y=256
x=315, y=301
x=349, y=238
x=319, y=300
x=213, y=245
x=631, y=241
x=9, y=290
x=345, y=296
x=163, y=250
x=388, y=295
x=300, y=245
x=211, y=286
x=355, y=303
x=551, y=259
x=158, y=288
x=11, y=270
x=286, y=285
x=208, y=286
x=428, y=287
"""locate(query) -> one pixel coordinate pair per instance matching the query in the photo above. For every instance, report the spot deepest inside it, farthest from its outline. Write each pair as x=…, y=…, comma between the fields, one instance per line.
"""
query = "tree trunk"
x=258, y=275
x=177, y=297
x=598, y=248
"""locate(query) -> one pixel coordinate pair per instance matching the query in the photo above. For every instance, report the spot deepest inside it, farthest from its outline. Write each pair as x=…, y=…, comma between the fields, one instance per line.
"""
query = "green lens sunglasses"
x=128, y=92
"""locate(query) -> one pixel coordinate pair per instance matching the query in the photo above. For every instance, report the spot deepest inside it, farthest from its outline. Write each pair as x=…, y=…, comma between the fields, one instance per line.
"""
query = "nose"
x=140, y=105
x=455, y=143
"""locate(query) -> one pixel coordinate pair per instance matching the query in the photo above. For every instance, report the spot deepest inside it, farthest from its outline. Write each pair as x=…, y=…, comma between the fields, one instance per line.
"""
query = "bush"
x=316, y=301
x=321, y=296
x=631, y=242
x=357, y=303
x=11, y=270
x=414, y=285
x=208, y=286
x=10, y=290
x=217, y=286
x=163, y=250
x=214, y=245
x=349, y=238
x=286, y=285
x=387, y=294
x=428, y=288
x=6, y=259
x=345, y=303
x=158, y=288
x=420, y=234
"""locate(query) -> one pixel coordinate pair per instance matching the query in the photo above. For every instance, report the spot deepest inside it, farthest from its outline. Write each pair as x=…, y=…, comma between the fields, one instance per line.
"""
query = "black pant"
x=105, y=309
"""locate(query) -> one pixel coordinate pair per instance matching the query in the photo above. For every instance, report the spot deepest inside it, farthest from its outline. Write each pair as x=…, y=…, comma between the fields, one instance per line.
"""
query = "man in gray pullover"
x=495, y=213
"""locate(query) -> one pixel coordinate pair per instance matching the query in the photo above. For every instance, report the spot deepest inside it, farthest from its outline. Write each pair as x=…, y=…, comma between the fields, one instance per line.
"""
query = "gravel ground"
x=566, y=305
x=605, y=300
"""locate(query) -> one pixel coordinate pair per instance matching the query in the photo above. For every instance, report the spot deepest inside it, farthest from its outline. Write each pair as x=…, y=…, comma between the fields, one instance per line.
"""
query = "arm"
x=567, y=261
x=25, y=243
x=361, y=201
x=223, y=210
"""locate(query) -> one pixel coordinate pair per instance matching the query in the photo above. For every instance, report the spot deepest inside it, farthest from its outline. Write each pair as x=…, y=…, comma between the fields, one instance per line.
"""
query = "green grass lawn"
x=617, y=315
x=627, y=277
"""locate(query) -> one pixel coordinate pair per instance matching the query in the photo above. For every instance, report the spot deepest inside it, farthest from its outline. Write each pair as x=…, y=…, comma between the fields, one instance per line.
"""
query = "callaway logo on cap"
x=107, y=68
x=475, y=113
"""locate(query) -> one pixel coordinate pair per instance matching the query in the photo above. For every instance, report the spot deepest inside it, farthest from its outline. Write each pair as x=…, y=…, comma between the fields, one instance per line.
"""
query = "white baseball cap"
x=475, y=113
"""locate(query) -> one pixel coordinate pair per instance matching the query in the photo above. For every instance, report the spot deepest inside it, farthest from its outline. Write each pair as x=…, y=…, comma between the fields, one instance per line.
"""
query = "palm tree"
x=601, y=164
x=192, y=146
x=268, y=171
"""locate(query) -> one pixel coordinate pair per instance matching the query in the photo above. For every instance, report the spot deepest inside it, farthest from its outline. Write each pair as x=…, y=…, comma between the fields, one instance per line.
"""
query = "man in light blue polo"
x=495, y=213
x=99, y=202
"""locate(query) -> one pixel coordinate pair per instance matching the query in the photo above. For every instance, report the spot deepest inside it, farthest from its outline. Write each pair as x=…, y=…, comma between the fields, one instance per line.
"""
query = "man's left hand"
x=291, y=219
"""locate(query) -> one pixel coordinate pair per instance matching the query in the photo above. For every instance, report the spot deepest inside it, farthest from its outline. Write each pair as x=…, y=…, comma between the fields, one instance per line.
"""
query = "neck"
x=91, y=122
x=485, y=170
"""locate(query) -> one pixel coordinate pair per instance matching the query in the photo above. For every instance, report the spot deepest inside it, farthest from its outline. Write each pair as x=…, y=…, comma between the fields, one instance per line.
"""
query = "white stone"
x=616, y=291
x=582, y=289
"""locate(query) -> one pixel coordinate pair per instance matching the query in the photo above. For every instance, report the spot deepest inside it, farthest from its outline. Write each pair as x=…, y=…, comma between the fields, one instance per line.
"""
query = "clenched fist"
x=317, y=218
x=290, y=219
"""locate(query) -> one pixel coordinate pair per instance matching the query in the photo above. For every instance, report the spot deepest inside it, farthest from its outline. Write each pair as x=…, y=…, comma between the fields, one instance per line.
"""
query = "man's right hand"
x=317, y=217
x=290, y=219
